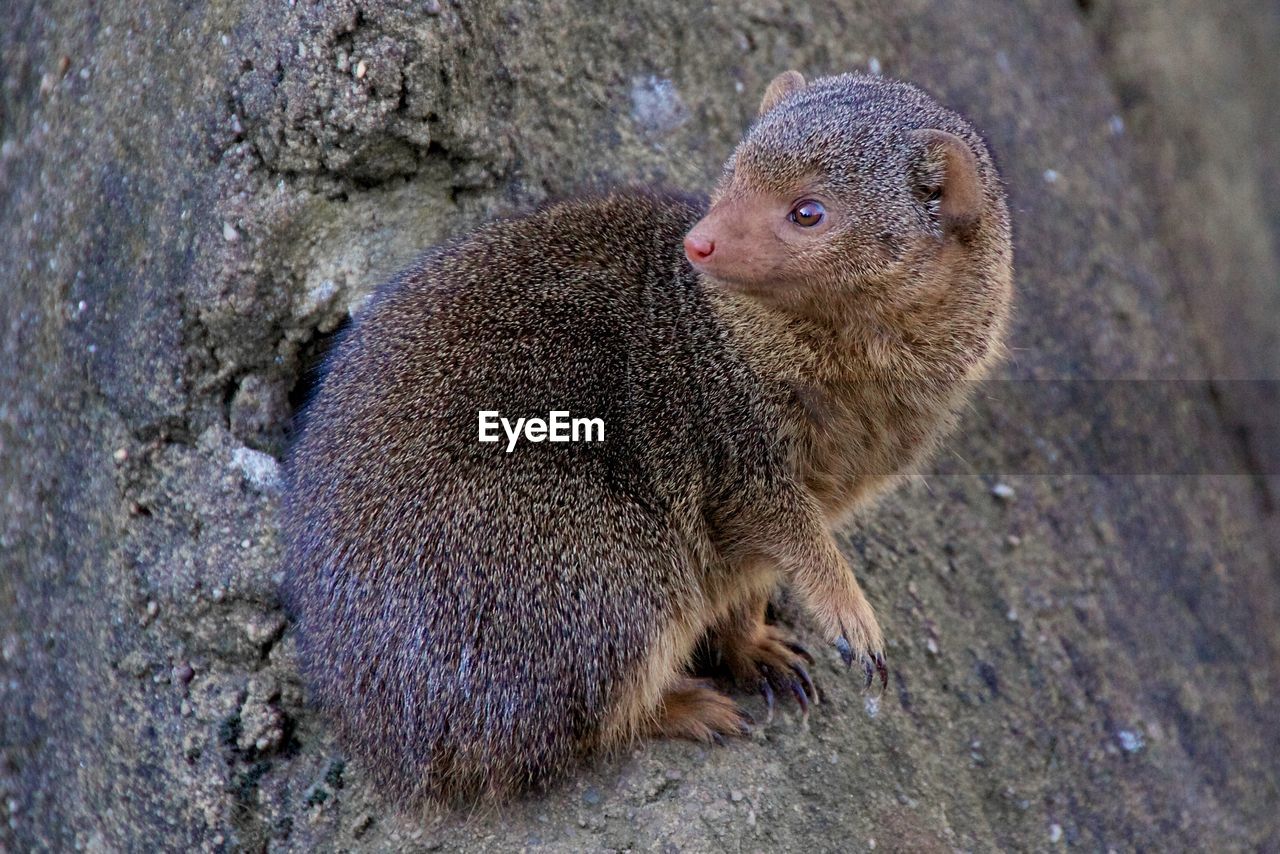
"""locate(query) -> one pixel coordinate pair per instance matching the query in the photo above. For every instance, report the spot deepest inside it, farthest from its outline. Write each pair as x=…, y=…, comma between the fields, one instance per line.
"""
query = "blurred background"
x=1081, y=597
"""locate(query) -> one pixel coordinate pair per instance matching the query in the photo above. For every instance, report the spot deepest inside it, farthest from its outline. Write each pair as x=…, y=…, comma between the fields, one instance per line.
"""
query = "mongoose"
x=475, y=616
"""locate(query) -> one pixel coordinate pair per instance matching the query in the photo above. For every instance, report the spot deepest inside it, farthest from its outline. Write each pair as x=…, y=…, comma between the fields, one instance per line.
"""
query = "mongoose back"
x=477, y=616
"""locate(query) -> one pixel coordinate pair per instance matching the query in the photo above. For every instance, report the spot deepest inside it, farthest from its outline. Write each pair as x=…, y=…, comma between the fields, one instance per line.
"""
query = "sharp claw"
x=809, y=687
x=802, y=651
x=846, y=651
x=767, y=691
x=866, y=665
x=883, y=670
x=801, y=698
x=718, y=739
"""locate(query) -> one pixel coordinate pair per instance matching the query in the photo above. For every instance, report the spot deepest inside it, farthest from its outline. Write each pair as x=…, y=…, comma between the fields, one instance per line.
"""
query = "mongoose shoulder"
x=476, y=616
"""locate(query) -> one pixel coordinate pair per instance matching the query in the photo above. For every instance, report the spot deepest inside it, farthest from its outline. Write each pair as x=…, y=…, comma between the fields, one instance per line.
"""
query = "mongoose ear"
x=784, y=84
x=948, y=174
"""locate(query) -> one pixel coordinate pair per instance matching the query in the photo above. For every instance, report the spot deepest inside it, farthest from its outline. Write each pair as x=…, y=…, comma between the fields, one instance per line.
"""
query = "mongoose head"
x=852, y=190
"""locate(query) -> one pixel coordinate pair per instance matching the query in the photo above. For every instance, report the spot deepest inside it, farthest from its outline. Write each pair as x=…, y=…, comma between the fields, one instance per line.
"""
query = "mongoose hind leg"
x=764, y=658
x=693, y=709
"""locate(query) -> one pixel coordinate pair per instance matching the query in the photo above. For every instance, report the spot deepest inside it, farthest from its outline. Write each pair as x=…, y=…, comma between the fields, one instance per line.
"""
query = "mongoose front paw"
x=867, y=659
x=828, y=588
x=771, y=662
x=857, y=636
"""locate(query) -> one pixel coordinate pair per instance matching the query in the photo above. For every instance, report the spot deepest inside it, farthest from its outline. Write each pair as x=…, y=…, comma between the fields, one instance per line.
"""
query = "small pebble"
x=1130, y=741
x=736, y=796
x=120, y=455
x=932, y=646
x=1055, y=832
x=1013, y=541
x=259, y=469
x=183, y=673
x=361, y=70
x=432, y=7
x=229, y=233
x=1051, y=176
x=1003, y=491
x=873, y=66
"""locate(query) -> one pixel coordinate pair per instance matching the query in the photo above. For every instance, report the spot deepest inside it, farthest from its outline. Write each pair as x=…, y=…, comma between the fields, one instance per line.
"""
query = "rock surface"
x=193, y=195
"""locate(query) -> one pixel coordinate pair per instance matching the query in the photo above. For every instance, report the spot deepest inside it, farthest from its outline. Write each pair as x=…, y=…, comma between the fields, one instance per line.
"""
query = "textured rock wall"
x=1200, y=88
x=193, y=195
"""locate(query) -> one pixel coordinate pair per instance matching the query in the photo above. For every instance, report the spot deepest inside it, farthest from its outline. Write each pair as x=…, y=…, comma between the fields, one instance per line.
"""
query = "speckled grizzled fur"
x=474, y=621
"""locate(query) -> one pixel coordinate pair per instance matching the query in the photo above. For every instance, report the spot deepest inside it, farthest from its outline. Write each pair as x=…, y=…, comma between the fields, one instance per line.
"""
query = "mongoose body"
x=476, y=618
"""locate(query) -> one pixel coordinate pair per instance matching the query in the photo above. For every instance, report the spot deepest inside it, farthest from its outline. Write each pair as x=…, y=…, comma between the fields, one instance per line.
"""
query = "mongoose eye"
x=808, y=213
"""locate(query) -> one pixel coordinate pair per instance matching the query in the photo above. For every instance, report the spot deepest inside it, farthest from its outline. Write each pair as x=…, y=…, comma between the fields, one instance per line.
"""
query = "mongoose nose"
x=698, y=249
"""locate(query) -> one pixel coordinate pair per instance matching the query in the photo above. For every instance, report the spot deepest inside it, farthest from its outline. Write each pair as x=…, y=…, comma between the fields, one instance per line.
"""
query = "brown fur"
x=475, y=621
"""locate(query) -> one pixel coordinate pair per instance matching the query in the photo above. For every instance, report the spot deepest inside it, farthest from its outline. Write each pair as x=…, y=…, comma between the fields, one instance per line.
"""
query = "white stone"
x=259, y=469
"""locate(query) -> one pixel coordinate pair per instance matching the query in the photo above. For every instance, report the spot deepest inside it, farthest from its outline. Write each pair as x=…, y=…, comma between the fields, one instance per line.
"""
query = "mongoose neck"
x=853, y=338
